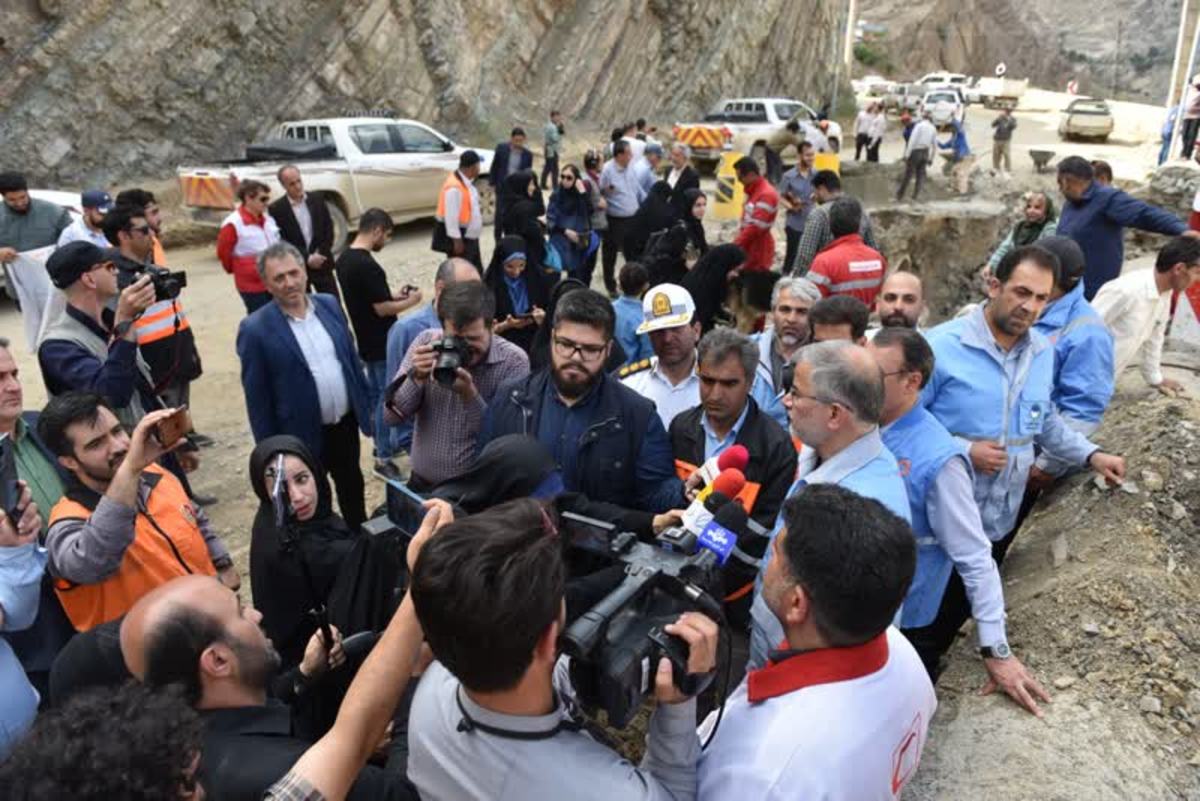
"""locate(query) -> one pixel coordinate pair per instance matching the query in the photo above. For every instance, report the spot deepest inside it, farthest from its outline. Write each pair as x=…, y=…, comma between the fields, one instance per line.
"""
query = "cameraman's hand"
x=423, y=360
x=701, y=635
x=134, y=299
x=464, y=385
x=439, y=514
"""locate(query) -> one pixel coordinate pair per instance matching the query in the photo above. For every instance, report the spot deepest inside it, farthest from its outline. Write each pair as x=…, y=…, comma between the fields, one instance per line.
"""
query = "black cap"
x=469, y=158
x=1070, y=258
x=71, y=261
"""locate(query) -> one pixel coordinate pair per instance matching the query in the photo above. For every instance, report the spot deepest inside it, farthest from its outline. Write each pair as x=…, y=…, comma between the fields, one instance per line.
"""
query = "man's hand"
x=8, y=254
x=134, y=299
x=144, y=448
x=1039, y=479
x=666, y=520
x=423, y=360
x=316, y=261
x=438, y=515
x=1110, y=466
x=988, y=457
x=230, y=577
x=1171, y=388
x=1016, y=681
x=25, y=530
x=464, y=384
x=317, y=658
x=701, y=635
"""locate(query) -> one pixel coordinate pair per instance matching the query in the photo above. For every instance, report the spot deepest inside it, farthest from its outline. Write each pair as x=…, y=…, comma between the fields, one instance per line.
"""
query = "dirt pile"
x=1102, y=588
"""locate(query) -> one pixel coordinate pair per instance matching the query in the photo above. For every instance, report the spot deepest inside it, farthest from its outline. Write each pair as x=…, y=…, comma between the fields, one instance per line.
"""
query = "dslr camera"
x=616, y=645
x=452, y=353
x=167, y=284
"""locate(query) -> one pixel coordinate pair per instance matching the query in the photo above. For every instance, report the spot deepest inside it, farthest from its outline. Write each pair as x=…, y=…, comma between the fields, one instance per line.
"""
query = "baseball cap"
x=71, y=261
x=666, y=306
x=96, y=199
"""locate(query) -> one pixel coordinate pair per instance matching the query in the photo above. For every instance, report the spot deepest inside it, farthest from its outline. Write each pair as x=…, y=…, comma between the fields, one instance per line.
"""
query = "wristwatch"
x=998, y=651
x=122, y=328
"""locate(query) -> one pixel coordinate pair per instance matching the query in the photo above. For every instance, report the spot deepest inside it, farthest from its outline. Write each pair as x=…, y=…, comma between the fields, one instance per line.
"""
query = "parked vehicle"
x=352, y=163
x=944, y=104
x=997, y=93
x=904, y=97
x=943, y=78
x=875, y=85
x=745, y=124
x=1086, y=118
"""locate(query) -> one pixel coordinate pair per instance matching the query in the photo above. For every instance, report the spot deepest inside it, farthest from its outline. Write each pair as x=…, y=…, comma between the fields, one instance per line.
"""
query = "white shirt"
x=923, y=135
x=303, y=218
x=877, y=127
x=454, y=205
x=1137, y=315
x=862, y=122
x=670, y=399
x=322, y=359
x=673, y=176
x=78, y=231
x=637, y=147
x=855, y=738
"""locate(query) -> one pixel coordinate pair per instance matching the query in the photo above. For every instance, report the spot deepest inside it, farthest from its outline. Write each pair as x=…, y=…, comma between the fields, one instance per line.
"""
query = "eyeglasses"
x=566, y=178
x=896, y=372
x=568, y=348
x=263, y=198
x=797, y=396
x=105, y=265
x=140, y=229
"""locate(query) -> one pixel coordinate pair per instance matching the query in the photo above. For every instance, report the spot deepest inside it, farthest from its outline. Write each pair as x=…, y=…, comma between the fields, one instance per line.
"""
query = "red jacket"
x=758, y=215
x=847, y=266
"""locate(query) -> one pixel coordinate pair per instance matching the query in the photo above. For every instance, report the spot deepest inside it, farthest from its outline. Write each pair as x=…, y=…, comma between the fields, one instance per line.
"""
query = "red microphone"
x=727, y=485
x=735, y=457
x=729, y=482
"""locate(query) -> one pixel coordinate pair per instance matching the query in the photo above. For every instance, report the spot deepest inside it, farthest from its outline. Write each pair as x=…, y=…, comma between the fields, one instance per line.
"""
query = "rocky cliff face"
x=108, y=90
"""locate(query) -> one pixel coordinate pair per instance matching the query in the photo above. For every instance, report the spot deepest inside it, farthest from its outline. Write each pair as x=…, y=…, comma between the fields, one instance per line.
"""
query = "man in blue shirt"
x=401, y=335
x=607, y=440
x=623, y=192
x=1096, y=217
x=796, y=189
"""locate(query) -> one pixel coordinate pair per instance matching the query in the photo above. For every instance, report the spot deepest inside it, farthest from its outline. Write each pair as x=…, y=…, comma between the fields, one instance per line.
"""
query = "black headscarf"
x=1026, y=232
x=655, y=214
x=707, y=281
x=571, y=201
x=539, y=353
x=537, y=288
x=665, y=261
x=695, y=227
x=508, y=467
x=521, y=213
x=280, y=590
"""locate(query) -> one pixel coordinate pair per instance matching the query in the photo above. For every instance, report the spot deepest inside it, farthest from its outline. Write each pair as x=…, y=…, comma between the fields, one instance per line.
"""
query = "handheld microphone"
x=721, y=535
x=682, y=538
x=729, y=483
x=735, y=456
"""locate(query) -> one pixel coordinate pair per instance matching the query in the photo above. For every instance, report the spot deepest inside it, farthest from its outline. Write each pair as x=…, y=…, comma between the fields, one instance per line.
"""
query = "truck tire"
x=341, y=226
x=487, y=199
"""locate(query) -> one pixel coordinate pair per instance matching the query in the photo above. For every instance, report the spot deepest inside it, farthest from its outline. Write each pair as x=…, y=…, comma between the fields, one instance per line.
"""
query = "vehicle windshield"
x=941, y=97
x=1089, y=107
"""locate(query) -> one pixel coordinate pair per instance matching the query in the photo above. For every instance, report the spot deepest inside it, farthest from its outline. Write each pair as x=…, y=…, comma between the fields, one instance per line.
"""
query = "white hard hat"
x=666, y=306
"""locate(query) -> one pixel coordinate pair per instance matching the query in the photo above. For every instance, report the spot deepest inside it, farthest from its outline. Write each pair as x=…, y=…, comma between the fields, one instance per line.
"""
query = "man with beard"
x=88, y=228
x=372, y=308
x=26, y=223
x=125, y=525
x=901, y=302
x=992, y=384
x=787, y=330
x=198, y=635
x=607, y=440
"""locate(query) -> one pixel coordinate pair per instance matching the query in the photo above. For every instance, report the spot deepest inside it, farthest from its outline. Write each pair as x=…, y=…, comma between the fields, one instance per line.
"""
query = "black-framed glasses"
x=140, y=229
x=566, y=177
x=567, y=348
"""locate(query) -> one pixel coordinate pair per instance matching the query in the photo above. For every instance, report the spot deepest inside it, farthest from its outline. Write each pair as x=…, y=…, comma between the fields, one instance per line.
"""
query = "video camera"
x=615, y=646
x=167, y=284
x=453, y=352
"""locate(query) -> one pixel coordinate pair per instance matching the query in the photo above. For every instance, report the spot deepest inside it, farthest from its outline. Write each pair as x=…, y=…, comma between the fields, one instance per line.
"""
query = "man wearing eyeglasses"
x=834, y=406
x=89, y=348
x=606, y=439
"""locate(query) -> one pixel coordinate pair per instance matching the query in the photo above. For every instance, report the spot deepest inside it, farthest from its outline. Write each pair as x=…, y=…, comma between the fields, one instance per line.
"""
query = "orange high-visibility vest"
x=167, y=543
x=455, y=181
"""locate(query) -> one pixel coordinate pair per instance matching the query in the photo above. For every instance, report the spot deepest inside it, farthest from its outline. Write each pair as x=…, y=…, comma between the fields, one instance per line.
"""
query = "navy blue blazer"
x=499, y=170
x=281, y=396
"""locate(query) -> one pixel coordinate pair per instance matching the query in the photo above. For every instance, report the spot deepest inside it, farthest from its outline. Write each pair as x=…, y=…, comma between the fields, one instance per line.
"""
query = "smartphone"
x=173, y=427
x=405, y=508
x=10, y=490
x=408, y=289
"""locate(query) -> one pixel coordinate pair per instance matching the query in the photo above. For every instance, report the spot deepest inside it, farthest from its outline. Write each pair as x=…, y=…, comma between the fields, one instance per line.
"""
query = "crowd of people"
x=890, y=467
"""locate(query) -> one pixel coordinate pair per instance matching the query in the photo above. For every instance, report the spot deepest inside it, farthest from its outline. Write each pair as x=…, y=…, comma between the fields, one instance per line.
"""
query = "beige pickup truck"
x=353, y=163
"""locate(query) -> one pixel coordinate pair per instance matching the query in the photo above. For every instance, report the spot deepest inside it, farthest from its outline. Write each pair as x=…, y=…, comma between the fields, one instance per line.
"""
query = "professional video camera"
x=167, y=284
x=615, y=647
x=453, y=352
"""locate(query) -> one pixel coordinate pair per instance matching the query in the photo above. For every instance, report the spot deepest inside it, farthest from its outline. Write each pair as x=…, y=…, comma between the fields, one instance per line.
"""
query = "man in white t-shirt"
x=842, y=708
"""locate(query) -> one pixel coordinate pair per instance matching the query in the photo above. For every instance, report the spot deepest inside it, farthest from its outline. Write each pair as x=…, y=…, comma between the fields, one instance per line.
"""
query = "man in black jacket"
x=305, y=222
x=511, y=156
x=727, y=415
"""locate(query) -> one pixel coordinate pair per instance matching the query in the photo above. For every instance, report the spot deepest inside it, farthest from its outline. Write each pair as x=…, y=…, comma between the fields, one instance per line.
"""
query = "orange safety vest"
x=158, y=321
x=455, y=181
x=167, y=543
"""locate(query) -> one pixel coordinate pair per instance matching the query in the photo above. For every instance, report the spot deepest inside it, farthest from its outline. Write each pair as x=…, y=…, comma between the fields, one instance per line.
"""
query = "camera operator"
x=841, y=710
x=447, y=417
x=493, y=712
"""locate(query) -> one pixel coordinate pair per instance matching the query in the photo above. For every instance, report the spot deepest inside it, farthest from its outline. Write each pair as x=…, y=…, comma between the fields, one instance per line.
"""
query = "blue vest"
x=922, y=446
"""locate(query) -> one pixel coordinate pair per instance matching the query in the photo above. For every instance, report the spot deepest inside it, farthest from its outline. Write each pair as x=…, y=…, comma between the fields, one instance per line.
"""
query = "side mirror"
x=447, y=145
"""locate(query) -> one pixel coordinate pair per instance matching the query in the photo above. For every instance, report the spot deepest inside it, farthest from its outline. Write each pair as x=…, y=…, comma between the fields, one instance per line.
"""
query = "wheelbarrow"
x=1041, y=159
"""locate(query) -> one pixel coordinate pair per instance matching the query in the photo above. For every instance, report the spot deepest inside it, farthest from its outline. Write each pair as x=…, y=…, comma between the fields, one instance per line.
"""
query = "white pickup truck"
x=744, y=124
x=353, y=163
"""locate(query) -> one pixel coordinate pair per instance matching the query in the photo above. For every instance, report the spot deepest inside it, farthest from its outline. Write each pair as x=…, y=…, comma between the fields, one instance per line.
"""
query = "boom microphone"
x=735, y=456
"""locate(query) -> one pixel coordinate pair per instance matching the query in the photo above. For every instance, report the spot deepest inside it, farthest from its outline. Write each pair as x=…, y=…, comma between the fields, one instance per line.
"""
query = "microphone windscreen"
x=729, y=482
x=735, y=456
